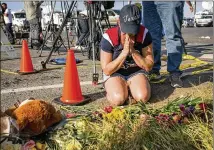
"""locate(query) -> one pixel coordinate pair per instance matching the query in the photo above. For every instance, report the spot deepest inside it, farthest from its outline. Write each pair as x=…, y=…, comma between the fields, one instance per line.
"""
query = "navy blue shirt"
x=107, y=46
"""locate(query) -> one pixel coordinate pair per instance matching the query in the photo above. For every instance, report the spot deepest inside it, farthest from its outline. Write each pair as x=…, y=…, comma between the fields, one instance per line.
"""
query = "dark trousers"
x=35, y=30
x=82, y=37
x=10, y=33
x=83, y=31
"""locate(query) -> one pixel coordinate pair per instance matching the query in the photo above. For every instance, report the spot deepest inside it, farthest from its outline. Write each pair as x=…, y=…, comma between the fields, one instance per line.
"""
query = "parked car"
x=20, y=22
x=57, y=19
x=188, y=22
x=113, y=16
x=204, y=19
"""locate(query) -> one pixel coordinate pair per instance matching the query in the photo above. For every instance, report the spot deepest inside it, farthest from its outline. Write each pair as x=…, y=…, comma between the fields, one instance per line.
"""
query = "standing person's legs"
x=35, y=33
x=81, y=38
x=84, y=30
x=11, y=30
x=40, y=31
x=153, y=23
x=10, y=33
x=171, y=14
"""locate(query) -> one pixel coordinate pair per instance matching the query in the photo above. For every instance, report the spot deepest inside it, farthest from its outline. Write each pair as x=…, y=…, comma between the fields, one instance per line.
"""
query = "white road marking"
x=41, y=87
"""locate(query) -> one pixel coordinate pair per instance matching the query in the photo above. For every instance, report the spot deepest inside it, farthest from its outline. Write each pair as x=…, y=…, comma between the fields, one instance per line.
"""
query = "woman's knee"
x=142, y=96
x=117, y=99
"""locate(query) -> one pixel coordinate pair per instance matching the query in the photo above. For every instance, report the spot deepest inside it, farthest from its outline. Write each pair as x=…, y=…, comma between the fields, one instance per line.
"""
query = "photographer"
x=126, y=57
x=83, y=28
x=8, y=22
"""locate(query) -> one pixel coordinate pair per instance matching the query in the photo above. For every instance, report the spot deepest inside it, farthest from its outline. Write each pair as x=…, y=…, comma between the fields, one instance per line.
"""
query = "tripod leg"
x=62, y=43
x=60, y=38
x=44, y=41
x=58, y=48
x=48, y=27
x=183, y=44
x=95, y=74
x=65, y=26
x=90, y=28
x=59, y=33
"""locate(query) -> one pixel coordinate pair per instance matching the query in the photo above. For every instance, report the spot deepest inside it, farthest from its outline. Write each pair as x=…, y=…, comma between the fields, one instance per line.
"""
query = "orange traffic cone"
x=72, y=94
x=26, y=65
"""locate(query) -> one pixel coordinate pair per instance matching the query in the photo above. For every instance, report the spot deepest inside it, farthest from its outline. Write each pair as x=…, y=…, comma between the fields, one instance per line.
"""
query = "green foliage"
x=139, y=5
x=123, y=128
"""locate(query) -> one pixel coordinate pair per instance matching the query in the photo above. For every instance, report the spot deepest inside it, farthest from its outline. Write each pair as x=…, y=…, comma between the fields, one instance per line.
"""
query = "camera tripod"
x=52, y=29
x=95, y=31
x=95, y=17
x=58, y=37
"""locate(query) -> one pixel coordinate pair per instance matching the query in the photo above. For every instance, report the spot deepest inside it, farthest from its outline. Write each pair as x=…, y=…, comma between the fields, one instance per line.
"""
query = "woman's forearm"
x=116, y=64
x=142, y=62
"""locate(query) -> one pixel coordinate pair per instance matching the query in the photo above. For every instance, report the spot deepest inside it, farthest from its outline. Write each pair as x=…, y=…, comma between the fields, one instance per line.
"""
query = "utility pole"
x=194, y=8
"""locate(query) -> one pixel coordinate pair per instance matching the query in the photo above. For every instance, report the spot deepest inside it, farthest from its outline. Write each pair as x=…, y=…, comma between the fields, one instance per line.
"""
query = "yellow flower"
x=73, y=145
x=116, y=115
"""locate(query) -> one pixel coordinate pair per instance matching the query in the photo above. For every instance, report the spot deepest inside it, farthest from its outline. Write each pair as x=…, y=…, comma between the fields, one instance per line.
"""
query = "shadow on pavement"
x=195, y=80
x=199, y=46
x=96, y=96
x=162, y=91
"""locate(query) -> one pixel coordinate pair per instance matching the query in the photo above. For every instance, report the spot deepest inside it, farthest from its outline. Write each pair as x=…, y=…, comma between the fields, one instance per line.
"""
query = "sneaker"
x=79, y=47
x=154, y=75
x=175, y=80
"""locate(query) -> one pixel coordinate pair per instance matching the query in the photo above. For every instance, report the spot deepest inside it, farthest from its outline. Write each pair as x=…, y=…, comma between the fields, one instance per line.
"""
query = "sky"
x=14, y=6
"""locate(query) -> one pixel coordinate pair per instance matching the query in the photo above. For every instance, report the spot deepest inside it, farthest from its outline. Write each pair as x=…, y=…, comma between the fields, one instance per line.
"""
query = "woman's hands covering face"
x=129, y=44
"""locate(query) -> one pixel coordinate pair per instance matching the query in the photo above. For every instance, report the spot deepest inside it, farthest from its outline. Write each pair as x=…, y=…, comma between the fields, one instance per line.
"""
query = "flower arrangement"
x=184, y=123
x=115, y=128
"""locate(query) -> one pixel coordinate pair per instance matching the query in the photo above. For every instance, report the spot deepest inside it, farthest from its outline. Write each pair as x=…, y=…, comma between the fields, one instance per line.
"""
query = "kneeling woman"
x=126, y=58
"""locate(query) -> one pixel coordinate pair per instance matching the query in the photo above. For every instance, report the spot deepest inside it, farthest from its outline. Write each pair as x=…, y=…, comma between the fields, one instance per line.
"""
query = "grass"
x=127, y=129
x=197, y=135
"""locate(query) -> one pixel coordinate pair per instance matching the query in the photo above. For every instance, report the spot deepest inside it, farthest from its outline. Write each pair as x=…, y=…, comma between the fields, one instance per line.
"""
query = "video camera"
x=106, y=4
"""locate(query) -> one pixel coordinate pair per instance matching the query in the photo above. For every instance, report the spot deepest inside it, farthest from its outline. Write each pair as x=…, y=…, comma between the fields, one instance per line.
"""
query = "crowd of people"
x=33, y=15
x=131, y=51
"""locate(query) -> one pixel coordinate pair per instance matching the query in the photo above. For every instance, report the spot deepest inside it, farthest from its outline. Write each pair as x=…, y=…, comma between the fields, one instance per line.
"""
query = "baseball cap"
x=84, y=12
x=130, y=18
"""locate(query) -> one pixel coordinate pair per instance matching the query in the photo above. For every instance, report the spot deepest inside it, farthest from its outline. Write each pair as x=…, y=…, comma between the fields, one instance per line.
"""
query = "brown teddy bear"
x=35, y=115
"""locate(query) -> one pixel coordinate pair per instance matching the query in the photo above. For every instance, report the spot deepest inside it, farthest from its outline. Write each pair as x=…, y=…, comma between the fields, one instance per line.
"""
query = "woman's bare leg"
x=140, y=87
x=117, y=91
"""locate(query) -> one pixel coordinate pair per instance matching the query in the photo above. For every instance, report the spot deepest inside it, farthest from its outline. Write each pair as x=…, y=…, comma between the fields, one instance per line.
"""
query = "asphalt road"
x=195, y=35
x=190, y=35
x=47, y=85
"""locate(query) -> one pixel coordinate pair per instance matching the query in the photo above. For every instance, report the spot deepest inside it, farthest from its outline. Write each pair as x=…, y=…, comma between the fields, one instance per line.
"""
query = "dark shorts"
x=126, y=78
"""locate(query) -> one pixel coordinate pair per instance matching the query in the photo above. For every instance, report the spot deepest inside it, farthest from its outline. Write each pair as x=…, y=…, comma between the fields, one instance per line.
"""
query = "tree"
x=139, y=5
